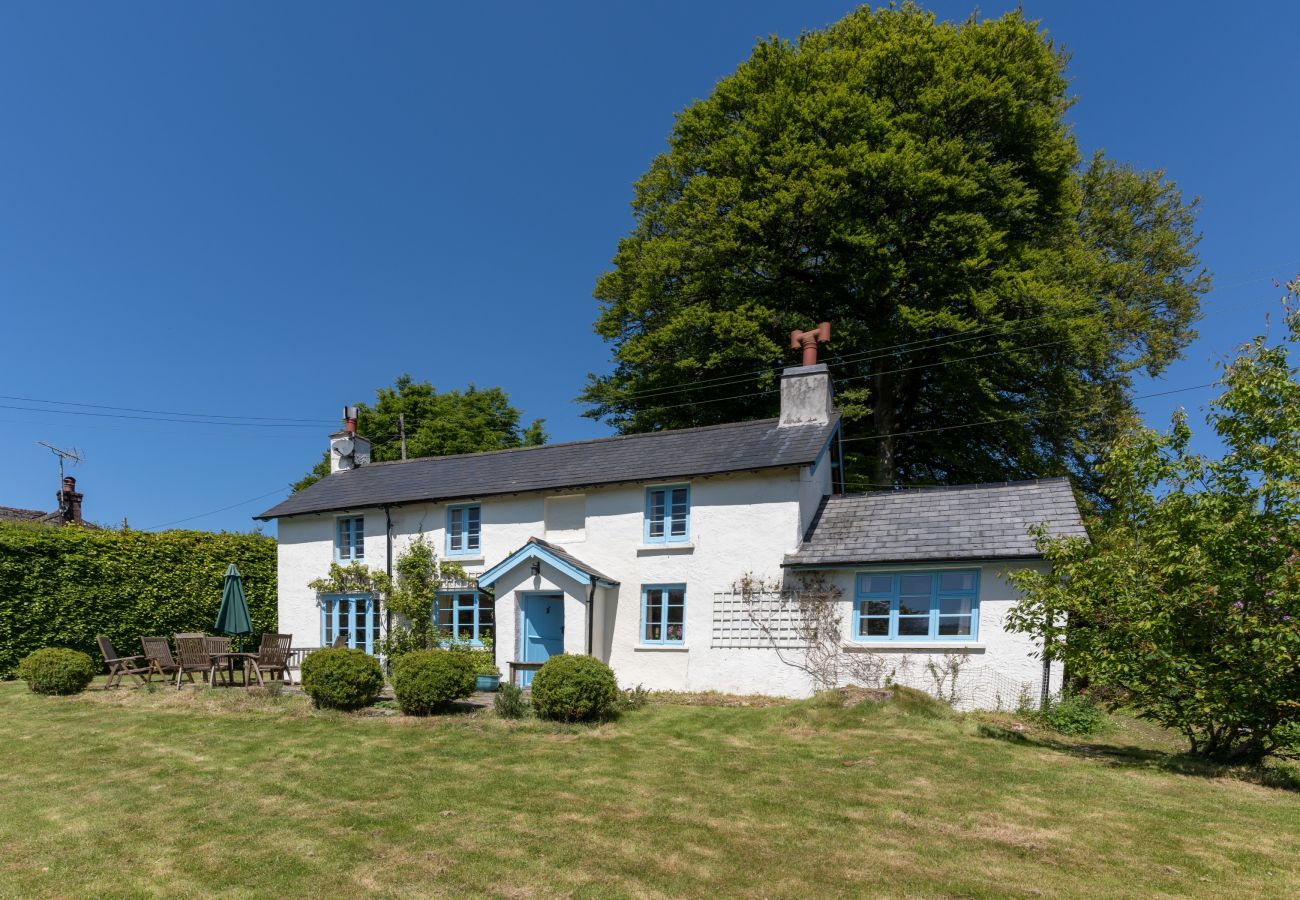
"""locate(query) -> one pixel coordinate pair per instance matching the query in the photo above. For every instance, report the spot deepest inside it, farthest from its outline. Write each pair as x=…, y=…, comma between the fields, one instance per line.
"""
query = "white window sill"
x=655, y=648
x=895, y=646
x=664, y=549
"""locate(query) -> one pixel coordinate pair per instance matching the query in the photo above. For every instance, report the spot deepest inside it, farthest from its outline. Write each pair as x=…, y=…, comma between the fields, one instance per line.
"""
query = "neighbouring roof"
x=536, y=548
x=983, y=521
x=656, y=456
x=15, y=514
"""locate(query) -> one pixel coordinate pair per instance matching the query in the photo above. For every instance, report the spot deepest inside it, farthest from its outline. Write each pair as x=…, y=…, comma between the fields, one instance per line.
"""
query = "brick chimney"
x=807, y=395
x=70, y=502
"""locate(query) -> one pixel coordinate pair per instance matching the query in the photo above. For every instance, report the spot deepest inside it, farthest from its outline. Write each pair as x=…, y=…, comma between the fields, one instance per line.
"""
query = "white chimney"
x=347, y=448
x=807, y=396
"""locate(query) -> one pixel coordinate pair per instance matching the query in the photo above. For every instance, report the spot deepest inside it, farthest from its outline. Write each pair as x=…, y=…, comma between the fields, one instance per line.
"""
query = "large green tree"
x=1187, y=599
x=437, y=424
x=915, y=183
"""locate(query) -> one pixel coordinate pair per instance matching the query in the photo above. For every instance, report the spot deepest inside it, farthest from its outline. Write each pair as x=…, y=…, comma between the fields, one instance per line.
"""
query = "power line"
x=214, y=511
x=159, y=412
x=947, y=362
x=1023, y=416
x=104, y=415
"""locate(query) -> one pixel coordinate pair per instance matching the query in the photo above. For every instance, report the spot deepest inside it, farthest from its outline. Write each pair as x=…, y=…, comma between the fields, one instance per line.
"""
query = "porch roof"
x=536, y=548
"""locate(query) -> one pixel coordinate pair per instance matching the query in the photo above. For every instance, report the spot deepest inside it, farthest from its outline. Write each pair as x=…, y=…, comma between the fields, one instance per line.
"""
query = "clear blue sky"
x=270, y=209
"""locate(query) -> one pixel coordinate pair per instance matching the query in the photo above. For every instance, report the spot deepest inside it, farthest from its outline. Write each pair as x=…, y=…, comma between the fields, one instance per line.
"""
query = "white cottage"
x=628, y=548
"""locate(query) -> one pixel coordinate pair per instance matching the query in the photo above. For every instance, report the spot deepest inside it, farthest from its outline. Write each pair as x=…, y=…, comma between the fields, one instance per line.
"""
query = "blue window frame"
x=465, y=615
x=356, y=615
x=663, y=613
x=668, y=514
x=917, y=606
x=350, y=538
x=463, y=525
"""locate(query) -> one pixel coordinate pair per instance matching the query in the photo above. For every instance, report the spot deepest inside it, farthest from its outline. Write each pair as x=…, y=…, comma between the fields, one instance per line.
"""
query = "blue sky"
x=264, y=211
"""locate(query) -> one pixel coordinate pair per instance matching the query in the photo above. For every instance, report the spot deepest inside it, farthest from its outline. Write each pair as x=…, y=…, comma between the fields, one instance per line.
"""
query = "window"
x=663, y=613
x=465, y=616
x=463, y=530
x=350, y=539
x=356, y=615
x=917, y=606
x=668, y=514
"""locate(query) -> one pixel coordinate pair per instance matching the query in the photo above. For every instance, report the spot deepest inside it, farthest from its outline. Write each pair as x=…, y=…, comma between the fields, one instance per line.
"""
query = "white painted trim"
x=876, y=646
x=664, y=549
x=646, y=648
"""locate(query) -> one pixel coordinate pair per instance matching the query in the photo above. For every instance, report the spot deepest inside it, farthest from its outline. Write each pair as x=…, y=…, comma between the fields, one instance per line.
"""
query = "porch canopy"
x=540, y=550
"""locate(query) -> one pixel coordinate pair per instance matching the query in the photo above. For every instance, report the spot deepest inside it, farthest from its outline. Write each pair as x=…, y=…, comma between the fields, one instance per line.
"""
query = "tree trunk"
x=883, y=417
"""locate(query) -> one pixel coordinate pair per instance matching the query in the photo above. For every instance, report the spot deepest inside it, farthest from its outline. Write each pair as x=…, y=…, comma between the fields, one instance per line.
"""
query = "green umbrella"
x=233, y=618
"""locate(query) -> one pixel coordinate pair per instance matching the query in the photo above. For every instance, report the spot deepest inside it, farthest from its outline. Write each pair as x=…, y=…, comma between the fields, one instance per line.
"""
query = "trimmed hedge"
x=57, y=670
x=427, y=680
x=60, y=587
x=574, y=688
x=342, y=678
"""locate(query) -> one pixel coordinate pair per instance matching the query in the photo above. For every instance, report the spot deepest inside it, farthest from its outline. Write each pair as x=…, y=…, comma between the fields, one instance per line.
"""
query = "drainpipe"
x=388, y=565
x=591, y=616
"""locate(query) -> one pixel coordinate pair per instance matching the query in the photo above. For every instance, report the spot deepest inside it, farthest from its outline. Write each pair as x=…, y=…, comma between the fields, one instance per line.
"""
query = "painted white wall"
x=741, y=524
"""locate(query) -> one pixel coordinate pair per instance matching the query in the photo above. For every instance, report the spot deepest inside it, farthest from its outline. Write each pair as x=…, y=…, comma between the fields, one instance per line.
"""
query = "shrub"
x=633, y=698
x=341, y=678
x=510, y=703
x=56, y=670
x=1077, y=716
x=574, y=688
x=427, y=680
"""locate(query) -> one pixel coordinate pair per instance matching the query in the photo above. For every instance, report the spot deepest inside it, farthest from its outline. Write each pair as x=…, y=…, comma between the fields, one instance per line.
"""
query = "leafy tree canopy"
x=1188, y=598
x=437, y=424
x=915, y=183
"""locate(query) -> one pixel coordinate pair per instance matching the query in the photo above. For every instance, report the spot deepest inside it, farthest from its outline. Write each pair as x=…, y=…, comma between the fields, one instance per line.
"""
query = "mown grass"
x=201, y=792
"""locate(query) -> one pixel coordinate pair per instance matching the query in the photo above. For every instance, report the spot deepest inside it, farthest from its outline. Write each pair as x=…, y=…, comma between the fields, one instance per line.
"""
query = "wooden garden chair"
x=118, y=666
x=194, y=657
x=273, y=657
x=160, y=656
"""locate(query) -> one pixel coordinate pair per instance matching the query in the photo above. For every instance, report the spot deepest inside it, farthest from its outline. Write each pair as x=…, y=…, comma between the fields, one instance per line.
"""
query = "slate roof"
x=655, y=456
x=985, y=521
x=16, y=514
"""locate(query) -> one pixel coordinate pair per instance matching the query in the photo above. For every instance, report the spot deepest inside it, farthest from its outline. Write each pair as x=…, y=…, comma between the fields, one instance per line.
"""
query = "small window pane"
x=876, y=584
x=914, y=626
x=957, y=581
x=679, y=512
x=954, y=606
x=955, y=626
x=914, y=606
x=876, y=607
x=914, y=584
x=472, y=528
x=653, y=631
x=358, y=538
x=877, y=627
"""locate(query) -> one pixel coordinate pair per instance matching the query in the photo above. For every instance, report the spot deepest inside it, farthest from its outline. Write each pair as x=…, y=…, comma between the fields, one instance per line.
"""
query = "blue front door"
x=543, y=630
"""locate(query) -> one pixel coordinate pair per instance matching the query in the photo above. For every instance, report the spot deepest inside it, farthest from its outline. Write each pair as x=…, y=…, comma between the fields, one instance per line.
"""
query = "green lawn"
x=130, y=793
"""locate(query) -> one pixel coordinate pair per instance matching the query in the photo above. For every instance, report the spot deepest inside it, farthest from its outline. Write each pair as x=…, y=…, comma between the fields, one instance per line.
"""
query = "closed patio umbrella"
x=233, y=618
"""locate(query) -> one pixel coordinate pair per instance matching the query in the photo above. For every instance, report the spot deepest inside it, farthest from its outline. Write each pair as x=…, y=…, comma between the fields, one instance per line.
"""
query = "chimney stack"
x=70, y=502
x=348, y=450
x=807, y=396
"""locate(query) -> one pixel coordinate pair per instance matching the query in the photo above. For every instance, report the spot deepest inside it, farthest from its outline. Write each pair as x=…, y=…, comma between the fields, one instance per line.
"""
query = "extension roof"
x=982, y=521
x=536, y=548
x=656, y=456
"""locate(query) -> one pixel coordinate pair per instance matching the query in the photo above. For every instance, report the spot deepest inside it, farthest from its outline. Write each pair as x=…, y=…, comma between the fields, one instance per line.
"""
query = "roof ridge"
x=600, y=440
x=980, y=485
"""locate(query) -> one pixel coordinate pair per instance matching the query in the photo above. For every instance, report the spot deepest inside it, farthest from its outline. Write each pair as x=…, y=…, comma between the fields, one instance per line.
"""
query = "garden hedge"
x=62, y=586
x=342, y=678
x=429, y=680
x=57, y=670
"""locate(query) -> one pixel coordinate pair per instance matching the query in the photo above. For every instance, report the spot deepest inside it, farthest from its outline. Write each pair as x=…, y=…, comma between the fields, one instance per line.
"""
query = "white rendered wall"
x=740, y=524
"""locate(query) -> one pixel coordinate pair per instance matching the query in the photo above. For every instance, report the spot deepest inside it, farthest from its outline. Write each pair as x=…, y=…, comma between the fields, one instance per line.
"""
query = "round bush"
x=55, y=670
x=428, y=680
x=574, y=688
x=340, y=678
